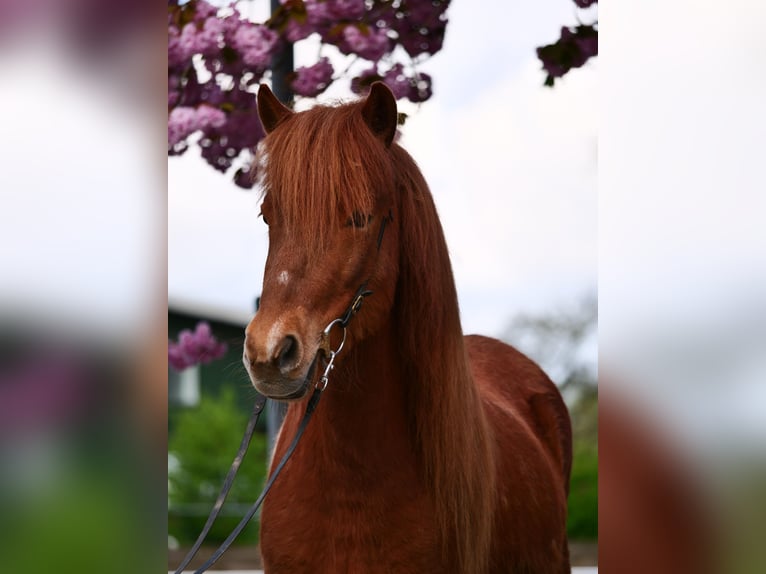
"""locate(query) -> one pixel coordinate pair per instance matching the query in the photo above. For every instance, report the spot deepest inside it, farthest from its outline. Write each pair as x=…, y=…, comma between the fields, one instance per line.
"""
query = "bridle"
x=328, y=355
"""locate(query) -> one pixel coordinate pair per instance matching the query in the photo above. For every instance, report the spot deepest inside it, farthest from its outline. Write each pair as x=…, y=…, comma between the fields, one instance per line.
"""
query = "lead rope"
x=260, y=402
x=319, y=387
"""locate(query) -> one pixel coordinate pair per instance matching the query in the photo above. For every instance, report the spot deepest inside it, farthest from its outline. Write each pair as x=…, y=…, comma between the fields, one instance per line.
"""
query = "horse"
x=431, y=451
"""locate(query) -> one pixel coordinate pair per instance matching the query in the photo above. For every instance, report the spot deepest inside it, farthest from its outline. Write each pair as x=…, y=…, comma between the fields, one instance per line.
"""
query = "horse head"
x=329, y=202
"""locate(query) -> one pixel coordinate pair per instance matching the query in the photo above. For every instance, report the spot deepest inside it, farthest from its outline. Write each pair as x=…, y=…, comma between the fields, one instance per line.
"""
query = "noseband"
x=329, y=354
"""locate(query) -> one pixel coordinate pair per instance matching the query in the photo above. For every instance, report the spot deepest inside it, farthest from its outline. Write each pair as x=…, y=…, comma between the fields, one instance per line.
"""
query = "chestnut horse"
x=430, y=451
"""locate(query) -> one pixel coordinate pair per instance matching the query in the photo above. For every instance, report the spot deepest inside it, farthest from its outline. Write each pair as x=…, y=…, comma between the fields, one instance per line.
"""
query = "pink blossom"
x=424, y=15
x=256, y=44
x=318, y=11
x=195, y=347
x=310, y=81
x=210, y=117
x=416, y=87
x=184, y=121
x=346, y=9
x=231, y=24
x=188, y=42
x=371, y=45
x=176, y=56
x=181, y=123
x=317, y=18
x=416, y=41
x=210, y=37
x=176, y=358
x=397, y=81
x=296, y=31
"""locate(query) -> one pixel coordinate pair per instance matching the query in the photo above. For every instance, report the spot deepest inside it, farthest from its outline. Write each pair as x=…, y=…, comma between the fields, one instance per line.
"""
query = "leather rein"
x=328, y=356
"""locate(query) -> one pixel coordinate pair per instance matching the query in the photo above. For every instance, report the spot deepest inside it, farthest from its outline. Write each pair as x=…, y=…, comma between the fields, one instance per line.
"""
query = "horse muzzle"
x=276, y=385
x=278, y=364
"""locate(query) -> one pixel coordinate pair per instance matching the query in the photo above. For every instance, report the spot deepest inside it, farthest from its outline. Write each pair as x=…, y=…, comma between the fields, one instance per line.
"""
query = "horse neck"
x=363, y=414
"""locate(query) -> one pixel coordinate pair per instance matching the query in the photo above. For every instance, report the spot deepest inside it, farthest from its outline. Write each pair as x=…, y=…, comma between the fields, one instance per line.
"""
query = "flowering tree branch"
x=217, y=57
x=573, y=49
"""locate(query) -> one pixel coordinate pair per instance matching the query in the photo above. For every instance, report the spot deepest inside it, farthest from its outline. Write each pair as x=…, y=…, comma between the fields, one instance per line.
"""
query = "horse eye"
x=358, y=219
x=266, y=221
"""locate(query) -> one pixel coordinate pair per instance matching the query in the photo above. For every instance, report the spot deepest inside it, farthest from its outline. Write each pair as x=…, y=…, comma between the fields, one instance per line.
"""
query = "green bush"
x=204, y=441
x=582, y=523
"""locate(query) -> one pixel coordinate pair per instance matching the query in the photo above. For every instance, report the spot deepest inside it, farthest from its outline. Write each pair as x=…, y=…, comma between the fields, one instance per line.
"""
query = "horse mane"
x=344, y=168
x=446, y=412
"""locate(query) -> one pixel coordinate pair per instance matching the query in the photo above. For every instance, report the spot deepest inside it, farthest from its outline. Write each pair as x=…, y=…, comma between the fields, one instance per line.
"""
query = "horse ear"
x=271, y=111
x=379, y=112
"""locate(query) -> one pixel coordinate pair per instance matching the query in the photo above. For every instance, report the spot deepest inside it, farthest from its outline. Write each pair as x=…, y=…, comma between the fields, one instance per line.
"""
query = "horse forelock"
x=320, y=167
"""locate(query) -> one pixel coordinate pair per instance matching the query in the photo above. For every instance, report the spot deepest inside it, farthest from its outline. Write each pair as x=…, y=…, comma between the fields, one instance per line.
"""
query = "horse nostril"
x=288, y=353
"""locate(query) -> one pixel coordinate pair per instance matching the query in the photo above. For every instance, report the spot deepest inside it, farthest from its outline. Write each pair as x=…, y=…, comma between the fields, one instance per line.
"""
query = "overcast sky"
x=512, y=166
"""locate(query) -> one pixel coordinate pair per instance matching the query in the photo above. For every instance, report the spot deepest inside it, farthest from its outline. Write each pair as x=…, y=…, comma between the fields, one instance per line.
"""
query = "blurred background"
x=82, y=288
x=682, y=277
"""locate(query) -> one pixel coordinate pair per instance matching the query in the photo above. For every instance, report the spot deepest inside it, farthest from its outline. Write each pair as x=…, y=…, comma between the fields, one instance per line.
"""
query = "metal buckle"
x=325, y=342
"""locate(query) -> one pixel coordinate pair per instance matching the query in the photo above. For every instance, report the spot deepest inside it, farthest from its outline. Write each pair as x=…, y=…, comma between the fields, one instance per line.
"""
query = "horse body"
x=430, y=451
x=531, y=428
